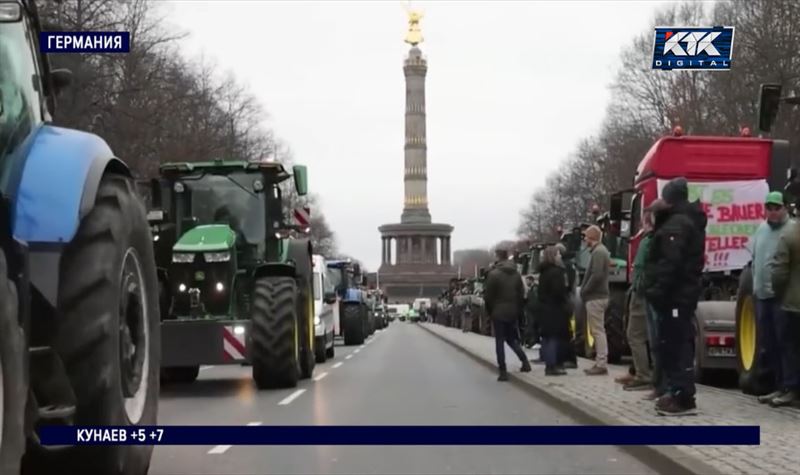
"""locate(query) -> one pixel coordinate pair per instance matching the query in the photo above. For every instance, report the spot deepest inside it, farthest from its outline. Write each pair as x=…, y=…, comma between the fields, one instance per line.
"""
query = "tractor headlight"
x=178, y=187
x=224, y=256
x=183, y=257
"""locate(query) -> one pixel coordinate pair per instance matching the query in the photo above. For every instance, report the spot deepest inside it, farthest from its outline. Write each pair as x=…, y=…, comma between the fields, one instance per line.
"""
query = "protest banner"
x=734, y=210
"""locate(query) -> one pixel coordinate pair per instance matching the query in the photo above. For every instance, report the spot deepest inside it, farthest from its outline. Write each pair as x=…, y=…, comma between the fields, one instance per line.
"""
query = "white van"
x=323, y=311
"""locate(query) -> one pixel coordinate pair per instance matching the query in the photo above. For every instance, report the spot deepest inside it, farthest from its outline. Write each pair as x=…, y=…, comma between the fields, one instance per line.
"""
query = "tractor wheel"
x=180, y=374
x=615, y=326
x=108, y=332
x=320, y=355
x=582, y=339
x=13, y=390
x=305, y=314
x=274, y=336
x=754, y=376
x=353, y=325
x=331, y=352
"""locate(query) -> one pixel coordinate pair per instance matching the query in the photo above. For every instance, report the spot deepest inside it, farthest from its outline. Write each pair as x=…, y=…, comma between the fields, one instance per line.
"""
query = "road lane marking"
x=221, y=449
x=338, y=364
x=203, y=368
x=356, y=351
x=348, y=357
x=362, y=346
x=288, y=399
x=320, y=376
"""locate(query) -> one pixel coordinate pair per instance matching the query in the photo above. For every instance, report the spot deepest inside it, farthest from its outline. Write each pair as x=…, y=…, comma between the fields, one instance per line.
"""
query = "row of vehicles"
x=102, y=298
x=730, y=176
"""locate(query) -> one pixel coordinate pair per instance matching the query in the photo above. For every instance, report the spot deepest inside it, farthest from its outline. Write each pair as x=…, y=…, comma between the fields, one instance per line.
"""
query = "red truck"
x=730, y=176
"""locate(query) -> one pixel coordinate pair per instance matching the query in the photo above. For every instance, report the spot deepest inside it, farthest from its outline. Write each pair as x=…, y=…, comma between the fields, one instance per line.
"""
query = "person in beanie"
x=673, y=284
x=504, y=297
x=656, y=375
x=594, y=294
x=785, y=279
x=769, y=316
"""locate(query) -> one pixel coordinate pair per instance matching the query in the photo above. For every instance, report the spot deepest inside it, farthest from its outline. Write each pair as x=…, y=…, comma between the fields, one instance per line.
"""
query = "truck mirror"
x=300, y=173
x=615, y=209
x=768, y=103
x=62, y=79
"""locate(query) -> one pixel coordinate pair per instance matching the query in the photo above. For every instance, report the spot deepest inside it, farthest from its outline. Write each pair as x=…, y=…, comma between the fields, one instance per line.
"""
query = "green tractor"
x=235, y=286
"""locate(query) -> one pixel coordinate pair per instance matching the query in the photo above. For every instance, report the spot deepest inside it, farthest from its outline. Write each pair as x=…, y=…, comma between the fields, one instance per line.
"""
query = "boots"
x=503, y=375
x=526, y=367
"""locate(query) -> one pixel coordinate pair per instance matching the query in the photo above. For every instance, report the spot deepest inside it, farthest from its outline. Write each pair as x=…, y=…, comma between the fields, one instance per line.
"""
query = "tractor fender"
x=59, y=183
x=57, y=188
x=297, y=262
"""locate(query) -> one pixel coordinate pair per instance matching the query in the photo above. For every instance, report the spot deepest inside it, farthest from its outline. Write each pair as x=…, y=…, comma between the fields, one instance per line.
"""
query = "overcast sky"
x=511, y=89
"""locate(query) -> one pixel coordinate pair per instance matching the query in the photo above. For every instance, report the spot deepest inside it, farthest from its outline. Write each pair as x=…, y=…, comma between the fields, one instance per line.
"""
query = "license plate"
x=722, y=351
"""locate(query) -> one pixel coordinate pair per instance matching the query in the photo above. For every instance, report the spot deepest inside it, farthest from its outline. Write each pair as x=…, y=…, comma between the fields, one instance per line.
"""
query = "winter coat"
x=765, y=242
x=786, y=268
x=504, y=293
x=676, y=257
x=553, y=296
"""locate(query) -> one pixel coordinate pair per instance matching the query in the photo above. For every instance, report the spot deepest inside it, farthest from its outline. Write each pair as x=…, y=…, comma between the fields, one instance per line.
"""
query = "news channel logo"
x=693, y=48
x=85, y=42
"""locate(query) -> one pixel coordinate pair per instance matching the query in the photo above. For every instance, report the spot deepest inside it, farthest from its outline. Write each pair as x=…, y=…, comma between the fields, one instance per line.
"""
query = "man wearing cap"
x=769, y=317
x=785, y=280
x=594, y=294
x=673, y=283
x=504, y=297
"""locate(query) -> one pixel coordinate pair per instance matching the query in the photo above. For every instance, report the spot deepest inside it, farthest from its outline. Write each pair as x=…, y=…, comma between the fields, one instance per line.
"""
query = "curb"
x=663, y=459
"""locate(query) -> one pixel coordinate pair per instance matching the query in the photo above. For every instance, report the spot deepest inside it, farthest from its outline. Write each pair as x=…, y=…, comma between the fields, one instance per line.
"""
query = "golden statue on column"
x=414, y=35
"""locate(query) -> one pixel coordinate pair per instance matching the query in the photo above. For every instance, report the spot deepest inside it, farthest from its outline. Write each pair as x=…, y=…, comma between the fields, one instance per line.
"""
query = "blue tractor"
x=79, y=316
x=353, y=311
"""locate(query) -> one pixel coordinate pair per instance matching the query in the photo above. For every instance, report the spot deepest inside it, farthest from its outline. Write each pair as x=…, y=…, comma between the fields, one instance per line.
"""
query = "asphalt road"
x=400, y=376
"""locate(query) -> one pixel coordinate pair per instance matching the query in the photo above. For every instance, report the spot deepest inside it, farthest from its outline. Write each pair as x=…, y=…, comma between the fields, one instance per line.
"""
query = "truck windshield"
x=229, y=199
x=19, y=101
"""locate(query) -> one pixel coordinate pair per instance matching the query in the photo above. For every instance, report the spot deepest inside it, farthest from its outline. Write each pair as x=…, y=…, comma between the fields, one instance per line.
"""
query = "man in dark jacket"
x=673, y=284
x=504, y=297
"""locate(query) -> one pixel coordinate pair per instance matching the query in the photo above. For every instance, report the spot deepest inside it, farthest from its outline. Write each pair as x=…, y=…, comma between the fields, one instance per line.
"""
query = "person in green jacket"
x=769, y=315
x=785, y=278
x=637, y=331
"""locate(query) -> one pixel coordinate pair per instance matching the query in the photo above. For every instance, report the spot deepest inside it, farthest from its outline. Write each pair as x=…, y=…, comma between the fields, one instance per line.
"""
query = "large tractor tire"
x=300, y=253
x=108, y=332
x=754, y=375
x=275, y=336
x=353, y=325
x=582, y=339
x=13, y=387
x=615, y=325
x=331, y=352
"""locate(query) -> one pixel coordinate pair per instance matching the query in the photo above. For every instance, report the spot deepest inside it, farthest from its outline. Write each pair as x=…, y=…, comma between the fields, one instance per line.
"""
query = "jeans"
x=657, y=376
x=507, y=332
x=677, y=340
x=550, y=351
x=778, y=353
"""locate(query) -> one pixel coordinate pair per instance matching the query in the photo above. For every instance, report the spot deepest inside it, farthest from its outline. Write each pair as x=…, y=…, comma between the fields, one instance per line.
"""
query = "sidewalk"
x=601, y=398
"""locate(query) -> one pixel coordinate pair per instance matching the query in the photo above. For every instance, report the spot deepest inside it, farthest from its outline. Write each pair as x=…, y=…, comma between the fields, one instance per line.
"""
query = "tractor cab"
x=214, y=224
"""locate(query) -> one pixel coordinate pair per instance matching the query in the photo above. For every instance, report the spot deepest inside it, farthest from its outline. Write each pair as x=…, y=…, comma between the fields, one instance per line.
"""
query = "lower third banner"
x=402, y=435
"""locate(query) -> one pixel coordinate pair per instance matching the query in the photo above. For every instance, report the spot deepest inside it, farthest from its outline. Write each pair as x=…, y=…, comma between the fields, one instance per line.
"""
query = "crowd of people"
x=667, y=284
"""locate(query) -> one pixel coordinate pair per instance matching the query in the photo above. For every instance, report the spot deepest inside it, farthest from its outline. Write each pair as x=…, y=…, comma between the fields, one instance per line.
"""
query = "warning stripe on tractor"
x=302, y=216
x=233, y=345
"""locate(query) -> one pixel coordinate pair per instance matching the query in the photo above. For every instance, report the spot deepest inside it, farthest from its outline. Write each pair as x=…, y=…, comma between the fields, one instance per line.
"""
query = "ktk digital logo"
x=693, y=48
